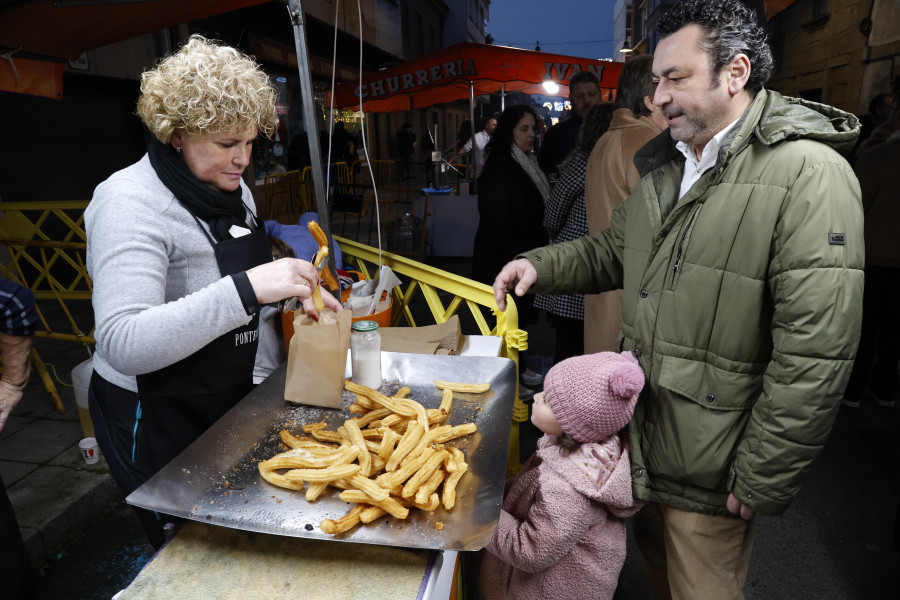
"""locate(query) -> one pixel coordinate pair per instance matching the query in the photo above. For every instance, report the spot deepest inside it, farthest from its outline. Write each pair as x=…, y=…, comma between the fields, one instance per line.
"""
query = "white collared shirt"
x=481, y=140
x=694, y=168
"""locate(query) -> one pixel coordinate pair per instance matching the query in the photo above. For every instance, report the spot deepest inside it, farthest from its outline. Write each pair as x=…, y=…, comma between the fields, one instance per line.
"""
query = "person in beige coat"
x=609, y=179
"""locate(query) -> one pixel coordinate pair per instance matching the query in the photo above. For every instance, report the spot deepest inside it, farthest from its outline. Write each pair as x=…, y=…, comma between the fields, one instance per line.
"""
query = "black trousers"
x=403, y=171
x=569, y=337
x=879, y=342
x=17, y=579
x=113, y=414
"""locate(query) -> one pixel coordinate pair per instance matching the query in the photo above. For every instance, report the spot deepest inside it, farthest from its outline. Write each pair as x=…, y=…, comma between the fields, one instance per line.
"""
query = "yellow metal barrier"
x=461, y=293
x=46, y=243
x=289, y=195
x=381, y=169
x=401, y=219
x=46, y=246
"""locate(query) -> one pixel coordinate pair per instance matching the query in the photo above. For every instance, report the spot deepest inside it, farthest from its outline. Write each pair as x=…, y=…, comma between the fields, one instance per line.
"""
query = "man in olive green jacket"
x=740, y=254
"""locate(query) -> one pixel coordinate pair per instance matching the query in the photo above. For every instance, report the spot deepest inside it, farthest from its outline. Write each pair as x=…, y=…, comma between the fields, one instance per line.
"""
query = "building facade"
x=621, y=28
x=839, y=52
x=431, y=25
x=93, y=131
x=466, y=21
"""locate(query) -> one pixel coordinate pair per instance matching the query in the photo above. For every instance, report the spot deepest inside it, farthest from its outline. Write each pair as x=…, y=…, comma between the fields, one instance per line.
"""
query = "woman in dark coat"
x=565, y=219
x=512, y=191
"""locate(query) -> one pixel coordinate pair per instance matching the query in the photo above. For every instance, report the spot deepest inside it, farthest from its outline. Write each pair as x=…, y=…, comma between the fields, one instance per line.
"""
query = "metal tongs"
x=321, y=266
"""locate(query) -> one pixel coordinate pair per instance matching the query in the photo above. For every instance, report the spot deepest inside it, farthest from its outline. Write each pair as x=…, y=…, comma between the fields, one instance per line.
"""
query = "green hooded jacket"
x=743, y=306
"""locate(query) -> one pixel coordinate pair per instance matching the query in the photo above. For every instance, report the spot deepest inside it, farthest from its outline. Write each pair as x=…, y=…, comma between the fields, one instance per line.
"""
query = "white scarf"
x=530, y=164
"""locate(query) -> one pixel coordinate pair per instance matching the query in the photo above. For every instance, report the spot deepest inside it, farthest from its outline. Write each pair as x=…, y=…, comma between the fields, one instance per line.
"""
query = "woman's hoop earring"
x=178, y=150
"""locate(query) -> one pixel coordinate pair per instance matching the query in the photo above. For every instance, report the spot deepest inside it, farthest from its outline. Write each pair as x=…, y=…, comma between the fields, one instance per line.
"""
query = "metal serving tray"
x=216, y=479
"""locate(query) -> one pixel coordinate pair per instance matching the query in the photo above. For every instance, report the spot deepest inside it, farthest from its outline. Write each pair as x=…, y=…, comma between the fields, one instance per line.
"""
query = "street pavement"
x=833, y=543
x=58, y=499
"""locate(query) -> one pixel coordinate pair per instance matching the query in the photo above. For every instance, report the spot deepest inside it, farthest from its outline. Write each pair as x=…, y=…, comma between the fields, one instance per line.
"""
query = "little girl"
x=561, y=532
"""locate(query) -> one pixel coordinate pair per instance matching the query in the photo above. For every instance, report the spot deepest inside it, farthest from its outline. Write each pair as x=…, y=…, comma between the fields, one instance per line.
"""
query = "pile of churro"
x=389, y=459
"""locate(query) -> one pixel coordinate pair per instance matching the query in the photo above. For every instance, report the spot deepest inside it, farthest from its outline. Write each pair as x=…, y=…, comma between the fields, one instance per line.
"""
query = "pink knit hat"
x=593, y=396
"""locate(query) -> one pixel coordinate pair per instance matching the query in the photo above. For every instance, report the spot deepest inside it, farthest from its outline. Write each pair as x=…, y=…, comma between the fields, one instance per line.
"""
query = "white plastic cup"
x=89, y=450
x=81, y=380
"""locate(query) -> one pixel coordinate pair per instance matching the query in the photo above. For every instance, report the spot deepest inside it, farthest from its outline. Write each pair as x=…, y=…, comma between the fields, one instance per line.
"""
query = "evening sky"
x=581, y=28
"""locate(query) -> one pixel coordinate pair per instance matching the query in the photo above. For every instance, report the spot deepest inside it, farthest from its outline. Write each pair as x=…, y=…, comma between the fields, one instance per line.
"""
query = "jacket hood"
x=786, y=118
x=615, y=493
x=771, y=118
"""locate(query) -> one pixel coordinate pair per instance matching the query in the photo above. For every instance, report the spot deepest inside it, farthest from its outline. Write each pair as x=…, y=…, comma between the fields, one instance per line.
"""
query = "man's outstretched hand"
x=517, y=276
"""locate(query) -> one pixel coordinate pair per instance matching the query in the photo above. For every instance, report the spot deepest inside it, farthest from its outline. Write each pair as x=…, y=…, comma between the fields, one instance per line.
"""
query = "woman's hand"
x=288, y=278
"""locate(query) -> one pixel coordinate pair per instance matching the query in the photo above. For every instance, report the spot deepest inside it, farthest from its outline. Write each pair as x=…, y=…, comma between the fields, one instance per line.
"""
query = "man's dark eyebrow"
x=666, y=72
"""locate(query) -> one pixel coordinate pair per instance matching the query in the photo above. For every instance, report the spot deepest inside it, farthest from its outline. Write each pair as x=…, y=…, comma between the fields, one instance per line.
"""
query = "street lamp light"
x=626, y=49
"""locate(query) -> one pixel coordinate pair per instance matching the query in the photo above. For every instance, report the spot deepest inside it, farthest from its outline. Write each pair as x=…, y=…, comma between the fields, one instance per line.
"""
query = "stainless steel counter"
x=216, y=479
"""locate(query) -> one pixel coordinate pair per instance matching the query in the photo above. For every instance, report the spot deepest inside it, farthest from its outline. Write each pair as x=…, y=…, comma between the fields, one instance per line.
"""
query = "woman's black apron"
x=181, y=401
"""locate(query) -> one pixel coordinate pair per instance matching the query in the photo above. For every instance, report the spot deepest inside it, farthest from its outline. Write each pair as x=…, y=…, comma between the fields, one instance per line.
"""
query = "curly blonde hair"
x=206, y=88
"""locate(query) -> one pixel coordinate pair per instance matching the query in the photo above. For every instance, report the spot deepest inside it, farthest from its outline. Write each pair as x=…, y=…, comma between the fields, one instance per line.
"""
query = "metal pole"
x=312, y=130
x=472, y=189
x=502, y=96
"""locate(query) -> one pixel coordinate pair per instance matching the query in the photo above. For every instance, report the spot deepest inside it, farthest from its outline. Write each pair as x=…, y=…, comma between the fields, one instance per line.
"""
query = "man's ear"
x=737, y=72
x=648, y=102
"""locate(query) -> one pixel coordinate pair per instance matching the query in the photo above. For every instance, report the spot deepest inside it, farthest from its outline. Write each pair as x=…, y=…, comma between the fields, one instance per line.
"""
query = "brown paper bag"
x=444, y=338
x=317, y=358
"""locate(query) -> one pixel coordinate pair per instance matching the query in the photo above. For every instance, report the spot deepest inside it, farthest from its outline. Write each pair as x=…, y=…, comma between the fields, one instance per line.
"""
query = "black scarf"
x=220, y=210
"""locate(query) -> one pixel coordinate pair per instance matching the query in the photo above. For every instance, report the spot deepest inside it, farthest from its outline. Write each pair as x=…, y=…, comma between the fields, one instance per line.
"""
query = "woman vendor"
x=181, y=266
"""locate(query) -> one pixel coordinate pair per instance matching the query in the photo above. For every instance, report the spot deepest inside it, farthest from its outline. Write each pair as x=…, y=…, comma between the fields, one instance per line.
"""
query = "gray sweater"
x=158, y=296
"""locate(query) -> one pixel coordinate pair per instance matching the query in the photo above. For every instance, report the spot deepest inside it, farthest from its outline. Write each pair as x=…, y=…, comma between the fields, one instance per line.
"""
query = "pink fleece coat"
x=560, y=535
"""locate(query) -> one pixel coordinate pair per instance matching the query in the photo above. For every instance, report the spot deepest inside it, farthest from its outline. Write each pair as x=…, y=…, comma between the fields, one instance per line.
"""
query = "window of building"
x=813, y=95
x=420, y=32
x=628, y=24
x=819, y=8
x=778, y=48
x=818, y=15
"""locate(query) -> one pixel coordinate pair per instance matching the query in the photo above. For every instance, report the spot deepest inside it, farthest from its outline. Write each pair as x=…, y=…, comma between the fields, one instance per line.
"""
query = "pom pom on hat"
x=593, y=396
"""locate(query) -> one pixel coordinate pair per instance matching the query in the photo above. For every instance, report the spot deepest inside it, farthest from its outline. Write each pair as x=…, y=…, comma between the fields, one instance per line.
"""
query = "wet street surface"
x=98, y=563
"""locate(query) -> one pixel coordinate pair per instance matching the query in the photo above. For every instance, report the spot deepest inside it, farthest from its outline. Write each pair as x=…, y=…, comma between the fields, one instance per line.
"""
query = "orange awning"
x=71, y=29
x=445, y=76
x=33, y=77
x=65, y=29
x=773, y=7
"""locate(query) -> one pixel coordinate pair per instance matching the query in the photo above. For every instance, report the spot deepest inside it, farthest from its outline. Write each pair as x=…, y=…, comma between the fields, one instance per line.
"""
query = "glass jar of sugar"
x=365, y=354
